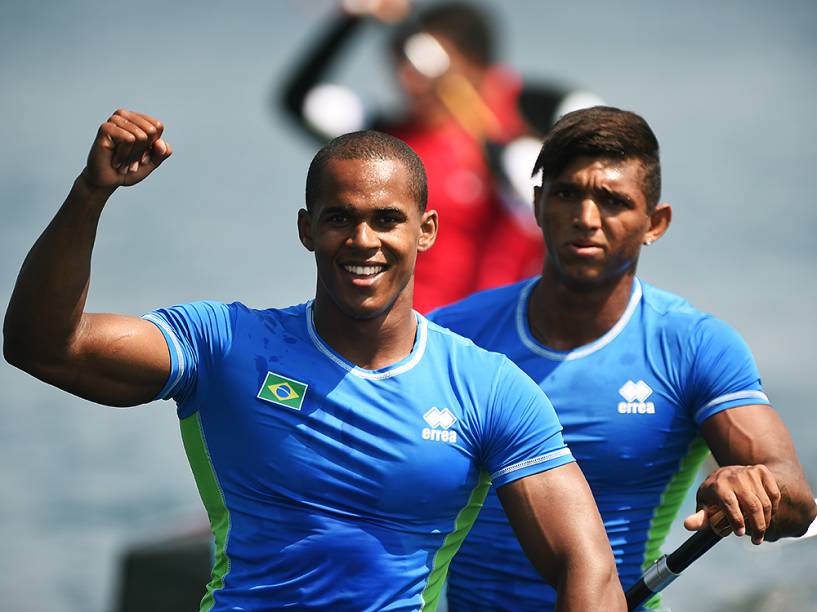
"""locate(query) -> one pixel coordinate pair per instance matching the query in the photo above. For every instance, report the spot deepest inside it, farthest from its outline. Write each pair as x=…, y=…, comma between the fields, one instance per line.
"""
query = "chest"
x=303, y=431
x=623, y=412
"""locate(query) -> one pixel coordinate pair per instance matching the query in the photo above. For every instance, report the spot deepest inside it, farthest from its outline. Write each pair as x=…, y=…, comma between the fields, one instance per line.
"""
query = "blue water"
x=729, y=88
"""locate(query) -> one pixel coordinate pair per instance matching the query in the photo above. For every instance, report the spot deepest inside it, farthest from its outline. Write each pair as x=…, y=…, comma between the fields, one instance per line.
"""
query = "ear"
x=537, y=199
x=660, y=218
x=305, y=229
x=428, y=230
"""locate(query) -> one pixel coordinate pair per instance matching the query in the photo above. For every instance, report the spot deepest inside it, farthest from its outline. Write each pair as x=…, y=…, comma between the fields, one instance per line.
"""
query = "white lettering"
x=636, y=408
x=440, y=435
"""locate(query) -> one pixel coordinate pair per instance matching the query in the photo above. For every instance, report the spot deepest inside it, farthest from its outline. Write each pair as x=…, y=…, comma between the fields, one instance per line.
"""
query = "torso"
x=628, y=408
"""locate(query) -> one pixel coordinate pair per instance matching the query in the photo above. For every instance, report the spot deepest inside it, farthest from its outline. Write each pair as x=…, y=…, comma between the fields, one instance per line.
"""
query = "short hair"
x=368, y=145
x=602, y=131
x=468, y=28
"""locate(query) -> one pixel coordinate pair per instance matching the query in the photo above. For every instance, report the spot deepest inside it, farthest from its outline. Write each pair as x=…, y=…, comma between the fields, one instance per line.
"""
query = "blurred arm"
x=111, y=359
x=760, y=484
x=312, y=69
x=556, y=520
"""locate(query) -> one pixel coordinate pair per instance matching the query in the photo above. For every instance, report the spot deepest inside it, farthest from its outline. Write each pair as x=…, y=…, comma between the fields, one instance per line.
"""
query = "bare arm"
x=111, y=359
x=760, y=485
x=318, y=62
x=556, y=520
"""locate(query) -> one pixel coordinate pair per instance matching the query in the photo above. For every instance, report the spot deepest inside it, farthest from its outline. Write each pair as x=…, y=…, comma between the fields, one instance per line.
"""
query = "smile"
x=364, y=270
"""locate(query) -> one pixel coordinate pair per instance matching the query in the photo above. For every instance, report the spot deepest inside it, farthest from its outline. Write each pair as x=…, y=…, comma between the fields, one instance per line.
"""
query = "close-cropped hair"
x=368, y=145
x=605, y=132
x=467, y=27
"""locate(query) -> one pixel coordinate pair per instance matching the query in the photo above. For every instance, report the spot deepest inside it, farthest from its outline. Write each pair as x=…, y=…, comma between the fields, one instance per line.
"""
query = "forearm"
x=46, y=306
x=796, y=509
x=314, y=66
x=560, y=530
x=760, y=474
x=587, y=585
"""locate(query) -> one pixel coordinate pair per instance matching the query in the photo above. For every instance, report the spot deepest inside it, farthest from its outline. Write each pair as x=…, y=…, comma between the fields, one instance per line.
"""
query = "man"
x=457, y=98
x=341, y=447
x=642, y=382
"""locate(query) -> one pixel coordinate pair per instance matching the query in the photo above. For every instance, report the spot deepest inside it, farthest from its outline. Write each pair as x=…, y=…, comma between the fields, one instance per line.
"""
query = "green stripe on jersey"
x=210, y=491
x=667, y=509
x=462, y=525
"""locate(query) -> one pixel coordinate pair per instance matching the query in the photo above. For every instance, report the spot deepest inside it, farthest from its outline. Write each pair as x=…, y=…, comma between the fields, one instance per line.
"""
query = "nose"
x=588, y=215
x=364, y=237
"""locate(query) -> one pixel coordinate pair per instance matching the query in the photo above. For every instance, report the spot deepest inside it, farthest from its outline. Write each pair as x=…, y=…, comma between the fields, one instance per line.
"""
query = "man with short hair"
x=341, y=447
x=458, y=97
x=643, y=383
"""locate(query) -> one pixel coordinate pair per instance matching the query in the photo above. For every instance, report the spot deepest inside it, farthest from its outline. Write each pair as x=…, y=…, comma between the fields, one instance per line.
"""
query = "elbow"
x=18, y=354
x=25, y=352
x=807, y=514
x=13, y=347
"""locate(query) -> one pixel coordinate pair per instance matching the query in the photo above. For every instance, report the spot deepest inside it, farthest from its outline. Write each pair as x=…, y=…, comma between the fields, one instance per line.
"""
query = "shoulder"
x=673, y=315
x=461, y=351
x=482, y=308
x=221, y=318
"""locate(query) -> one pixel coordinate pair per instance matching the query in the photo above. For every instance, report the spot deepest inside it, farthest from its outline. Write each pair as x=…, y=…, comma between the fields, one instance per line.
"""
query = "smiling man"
x=342, y=447
x=643, y=383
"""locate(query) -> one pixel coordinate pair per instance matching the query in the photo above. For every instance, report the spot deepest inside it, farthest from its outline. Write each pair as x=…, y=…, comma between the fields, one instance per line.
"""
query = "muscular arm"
x=556, y=520
x=111, y=359
x=760, y=484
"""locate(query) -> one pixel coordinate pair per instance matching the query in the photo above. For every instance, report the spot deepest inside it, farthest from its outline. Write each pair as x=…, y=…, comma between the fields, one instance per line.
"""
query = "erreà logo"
x=443, y=419
x=635, y=395
x=283, y=391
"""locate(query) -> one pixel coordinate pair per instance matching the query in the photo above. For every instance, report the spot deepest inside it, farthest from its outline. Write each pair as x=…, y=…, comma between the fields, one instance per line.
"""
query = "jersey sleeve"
x=195, y=333
x=723, y=372
x=524, y=435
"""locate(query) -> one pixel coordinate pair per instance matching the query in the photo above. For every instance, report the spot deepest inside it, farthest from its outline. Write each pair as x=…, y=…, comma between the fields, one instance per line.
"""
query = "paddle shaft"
x=668, y=567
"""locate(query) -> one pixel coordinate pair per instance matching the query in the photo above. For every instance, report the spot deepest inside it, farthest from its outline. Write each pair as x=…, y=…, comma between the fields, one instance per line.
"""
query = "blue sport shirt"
x=631, y=404
x=332, y=487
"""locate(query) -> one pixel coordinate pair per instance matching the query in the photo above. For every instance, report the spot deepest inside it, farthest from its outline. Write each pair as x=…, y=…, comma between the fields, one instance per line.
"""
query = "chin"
x=365, y=309
x=586, y=280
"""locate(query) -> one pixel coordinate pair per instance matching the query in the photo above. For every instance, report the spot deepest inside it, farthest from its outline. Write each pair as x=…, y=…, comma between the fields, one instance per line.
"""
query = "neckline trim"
x=403, y=365
x=527, y=338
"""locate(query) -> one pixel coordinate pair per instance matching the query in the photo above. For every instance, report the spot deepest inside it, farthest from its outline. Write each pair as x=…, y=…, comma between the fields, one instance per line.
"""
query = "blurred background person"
x=467, y=117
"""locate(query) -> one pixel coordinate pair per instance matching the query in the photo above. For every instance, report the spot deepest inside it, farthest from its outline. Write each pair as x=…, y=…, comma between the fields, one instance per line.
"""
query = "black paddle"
x=668, y=567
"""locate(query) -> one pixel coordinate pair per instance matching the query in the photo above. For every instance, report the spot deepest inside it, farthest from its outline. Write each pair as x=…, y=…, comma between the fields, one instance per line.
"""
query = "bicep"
x=555, y=519
x=115, y=360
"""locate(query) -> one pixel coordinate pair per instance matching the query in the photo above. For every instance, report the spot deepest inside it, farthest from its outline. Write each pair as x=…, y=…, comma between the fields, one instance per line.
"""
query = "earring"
x=647, y=242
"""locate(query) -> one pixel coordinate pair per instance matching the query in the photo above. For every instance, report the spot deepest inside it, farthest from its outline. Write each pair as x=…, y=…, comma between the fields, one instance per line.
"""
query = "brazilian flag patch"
x=283, y=391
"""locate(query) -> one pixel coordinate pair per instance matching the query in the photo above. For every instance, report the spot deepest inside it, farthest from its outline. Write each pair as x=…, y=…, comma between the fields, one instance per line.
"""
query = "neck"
x=564, y=317
x=369, y=343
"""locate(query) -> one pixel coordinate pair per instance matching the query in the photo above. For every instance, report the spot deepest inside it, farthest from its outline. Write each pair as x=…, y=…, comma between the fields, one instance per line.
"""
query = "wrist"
x=90, y=192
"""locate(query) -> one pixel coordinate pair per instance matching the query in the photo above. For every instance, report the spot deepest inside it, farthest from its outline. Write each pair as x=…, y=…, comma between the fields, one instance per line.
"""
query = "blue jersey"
x=631, y=404
x=333, y=487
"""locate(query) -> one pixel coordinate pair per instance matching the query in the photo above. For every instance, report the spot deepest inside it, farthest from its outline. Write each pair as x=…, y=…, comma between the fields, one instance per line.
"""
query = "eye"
x=564, y=192
x=614, y=201
x=389, y=219
x=337, y=218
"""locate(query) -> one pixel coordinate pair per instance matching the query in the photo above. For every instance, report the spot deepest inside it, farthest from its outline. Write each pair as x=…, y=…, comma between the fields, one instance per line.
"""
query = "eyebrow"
x=351, y=210
x=617, y=194
x=564, y=184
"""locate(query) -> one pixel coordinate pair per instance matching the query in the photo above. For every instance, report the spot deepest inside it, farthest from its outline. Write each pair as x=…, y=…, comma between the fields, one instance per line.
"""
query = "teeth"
x=363, y=270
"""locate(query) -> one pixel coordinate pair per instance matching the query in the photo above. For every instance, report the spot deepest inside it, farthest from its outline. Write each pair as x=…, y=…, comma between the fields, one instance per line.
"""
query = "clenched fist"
x=128, y=147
